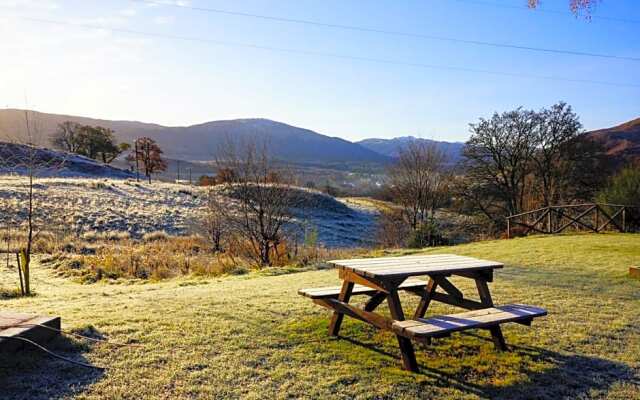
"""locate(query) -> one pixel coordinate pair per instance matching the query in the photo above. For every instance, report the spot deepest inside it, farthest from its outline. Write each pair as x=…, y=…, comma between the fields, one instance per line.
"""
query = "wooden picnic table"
x=382, y=279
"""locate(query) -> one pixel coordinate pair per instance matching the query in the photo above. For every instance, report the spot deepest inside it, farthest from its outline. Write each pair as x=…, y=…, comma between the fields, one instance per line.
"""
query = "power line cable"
x=331, y=55
x=393, y=33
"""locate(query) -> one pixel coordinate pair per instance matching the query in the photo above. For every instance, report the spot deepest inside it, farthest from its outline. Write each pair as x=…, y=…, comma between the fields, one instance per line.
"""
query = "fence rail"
x=595, y=217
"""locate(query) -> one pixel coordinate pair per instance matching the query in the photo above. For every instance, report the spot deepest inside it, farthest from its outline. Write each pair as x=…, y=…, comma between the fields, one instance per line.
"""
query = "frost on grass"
x=112, y=209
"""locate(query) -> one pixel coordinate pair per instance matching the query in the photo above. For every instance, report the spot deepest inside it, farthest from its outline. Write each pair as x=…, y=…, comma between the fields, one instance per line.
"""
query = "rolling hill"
x=199, y=142
x=17, y=158
x=621, y=142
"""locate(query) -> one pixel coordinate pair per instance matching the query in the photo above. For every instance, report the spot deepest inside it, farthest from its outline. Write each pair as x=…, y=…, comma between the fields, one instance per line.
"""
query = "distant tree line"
x=99, y=143
x=94, y=142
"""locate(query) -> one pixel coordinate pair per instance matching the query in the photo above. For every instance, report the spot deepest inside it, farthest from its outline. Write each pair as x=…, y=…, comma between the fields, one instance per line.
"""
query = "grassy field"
x=112, y=206
x=253, y=337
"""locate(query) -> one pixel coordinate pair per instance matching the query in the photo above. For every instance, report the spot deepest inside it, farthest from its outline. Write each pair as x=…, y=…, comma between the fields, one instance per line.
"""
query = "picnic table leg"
x=425, y=299
x=336, y=318
x=485, y=298
x=375, y=301
x=406, y=347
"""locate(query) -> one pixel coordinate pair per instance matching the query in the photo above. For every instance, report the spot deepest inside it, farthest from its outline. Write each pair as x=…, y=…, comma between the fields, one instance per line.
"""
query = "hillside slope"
x=201, y=142
x=15, y=158
x=621, y=142
x=110, y=205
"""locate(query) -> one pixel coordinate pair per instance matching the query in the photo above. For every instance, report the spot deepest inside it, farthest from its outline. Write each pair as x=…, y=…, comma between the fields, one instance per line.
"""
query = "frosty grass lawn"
x=253, y=337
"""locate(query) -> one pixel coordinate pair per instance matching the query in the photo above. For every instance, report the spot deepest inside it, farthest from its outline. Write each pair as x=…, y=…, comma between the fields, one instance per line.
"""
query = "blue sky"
x=106, y=74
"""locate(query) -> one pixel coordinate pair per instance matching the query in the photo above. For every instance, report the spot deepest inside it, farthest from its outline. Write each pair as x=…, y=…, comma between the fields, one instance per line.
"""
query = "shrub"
x=155, y=236
x=623, y=188
x=426, y=235
x=393, y=231
x=94, y=236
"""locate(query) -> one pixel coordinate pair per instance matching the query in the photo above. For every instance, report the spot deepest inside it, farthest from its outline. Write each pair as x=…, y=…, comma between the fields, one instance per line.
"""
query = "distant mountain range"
x=200, y=142
x=288, y=143
x=391, y=147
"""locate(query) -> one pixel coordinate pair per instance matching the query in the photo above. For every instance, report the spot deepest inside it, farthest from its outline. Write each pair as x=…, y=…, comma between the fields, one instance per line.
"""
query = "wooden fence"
x=595, y=217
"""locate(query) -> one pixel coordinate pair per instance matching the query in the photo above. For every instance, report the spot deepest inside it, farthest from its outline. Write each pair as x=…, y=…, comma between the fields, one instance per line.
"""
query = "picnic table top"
x=393, y=267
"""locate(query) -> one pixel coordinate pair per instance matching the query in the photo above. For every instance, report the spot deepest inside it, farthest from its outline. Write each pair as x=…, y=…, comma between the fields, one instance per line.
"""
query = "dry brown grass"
x=158, y=256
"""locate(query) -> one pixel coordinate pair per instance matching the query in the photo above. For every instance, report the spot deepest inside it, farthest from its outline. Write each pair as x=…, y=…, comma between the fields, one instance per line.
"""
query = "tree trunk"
x=26, y=253
x=264, y=254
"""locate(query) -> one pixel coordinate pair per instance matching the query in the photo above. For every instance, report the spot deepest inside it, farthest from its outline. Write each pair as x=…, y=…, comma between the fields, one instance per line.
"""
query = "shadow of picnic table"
x=569, y=376
x=32, y=374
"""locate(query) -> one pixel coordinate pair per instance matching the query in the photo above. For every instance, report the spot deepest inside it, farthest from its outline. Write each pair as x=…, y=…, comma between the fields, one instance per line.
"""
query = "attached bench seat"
x=334, y=291
x=485, y=318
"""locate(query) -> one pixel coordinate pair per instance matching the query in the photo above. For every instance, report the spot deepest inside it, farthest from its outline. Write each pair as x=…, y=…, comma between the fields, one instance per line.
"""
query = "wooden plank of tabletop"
x=424, y=269
x=408, y=272
x=393, y=261
x=383, y=260
x=442, y=264
x=386, y=267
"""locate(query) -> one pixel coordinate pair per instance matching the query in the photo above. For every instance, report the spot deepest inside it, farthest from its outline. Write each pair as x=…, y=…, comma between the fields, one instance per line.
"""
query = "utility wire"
x=547, y=11
x=331, y=55
x=393, y=33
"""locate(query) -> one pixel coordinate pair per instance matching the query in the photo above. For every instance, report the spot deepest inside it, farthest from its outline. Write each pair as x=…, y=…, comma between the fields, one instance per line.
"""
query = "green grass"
x=253, y=337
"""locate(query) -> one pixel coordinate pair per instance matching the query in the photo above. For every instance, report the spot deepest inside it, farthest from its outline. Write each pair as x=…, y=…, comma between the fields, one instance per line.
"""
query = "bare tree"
x=556, y=134
x=25, y=158
x=521, y=160
x=147, y=153
x=262, y=208
x=498, y=162
x=418, y=181
x=214, y=222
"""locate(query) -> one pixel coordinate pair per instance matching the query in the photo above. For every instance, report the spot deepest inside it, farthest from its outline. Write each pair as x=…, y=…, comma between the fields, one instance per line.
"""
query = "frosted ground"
x=79, y=205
